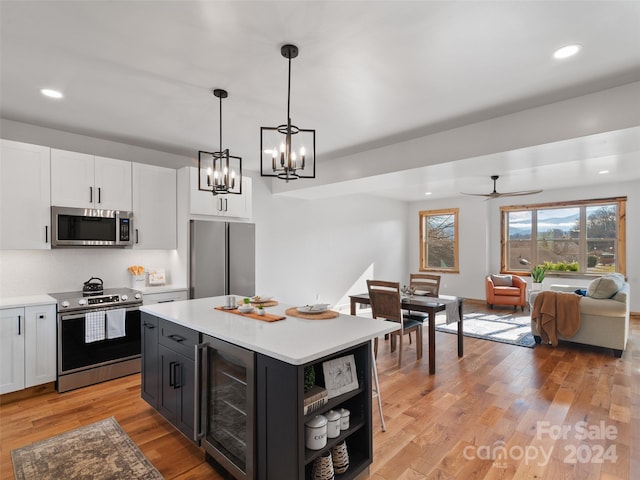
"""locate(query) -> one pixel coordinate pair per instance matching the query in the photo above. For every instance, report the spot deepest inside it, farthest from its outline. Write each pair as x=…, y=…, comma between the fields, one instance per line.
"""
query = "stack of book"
x=315, y=399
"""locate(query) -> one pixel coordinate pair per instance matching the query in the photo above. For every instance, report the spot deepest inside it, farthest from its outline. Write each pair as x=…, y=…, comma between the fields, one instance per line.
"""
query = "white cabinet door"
x=25, y=196
x=229, y=205
x=72, y=179
x=112, y=184
x=40, y=345
x=239, y=205
x=202, y=203
x=11, y=350
x=85, y=181
x=154, y=207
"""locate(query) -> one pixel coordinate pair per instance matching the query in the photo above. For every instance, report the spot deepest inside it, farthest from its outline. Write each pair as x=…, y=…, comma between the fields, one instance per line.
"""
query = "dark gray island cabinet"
x=235, y=385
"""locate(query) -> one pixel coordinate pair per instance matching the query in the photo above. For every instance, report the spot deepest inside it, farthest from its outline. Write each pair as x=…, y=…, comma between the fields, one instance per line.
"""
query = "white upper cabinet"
x=228, y=205
x=25, y=196
x=86, y=181
x=154, y=207
x=113, y=184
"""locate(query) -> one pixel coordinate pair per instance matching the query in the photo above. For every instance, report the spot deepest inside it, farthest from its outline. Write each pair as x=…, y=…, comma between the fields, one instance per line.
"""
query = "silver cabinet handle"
x=201, y=365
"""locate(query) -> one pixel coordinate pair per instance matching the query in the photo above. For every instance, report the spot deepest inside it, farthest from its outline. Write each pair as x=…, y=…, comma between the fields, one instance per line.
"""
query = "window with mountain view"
x=581, y=237
x=439, y=240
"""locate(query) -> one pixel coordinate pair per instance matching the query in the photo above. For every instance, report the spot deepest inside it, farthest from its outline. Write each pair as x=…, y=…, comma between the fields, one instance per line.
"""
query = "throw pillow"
x=605, y=287
x=502, y=280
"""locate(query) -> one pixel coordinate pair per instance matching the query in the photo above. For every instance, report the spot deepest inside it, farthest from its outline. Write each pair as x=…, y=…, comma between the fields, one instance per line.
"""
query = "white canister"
x=316, y=433
x=333, y=424
x=344, y=419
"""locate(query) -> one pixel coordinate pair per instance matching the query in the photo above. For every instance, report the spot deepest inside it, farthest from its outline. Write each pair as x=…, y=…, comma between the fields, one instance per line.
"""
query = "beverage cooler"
x=227, y=405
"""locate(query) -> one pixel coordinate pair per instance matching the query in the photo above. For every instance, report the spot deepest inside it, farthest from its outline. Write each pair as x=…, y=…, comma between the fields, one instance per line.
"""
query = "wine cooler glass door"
x=230, y=402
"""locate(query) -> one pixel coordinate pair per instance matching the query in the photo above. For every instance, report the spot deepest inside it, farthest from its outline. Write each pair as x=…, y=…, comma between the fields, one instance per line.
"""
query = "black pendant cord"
x=221, y=124
x=289, y=96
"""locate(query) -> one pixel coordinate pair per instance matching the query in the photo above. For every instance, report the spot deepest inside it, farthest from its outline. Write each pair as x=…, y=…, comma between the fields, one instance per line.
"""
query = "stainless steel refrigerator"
x=222, y=259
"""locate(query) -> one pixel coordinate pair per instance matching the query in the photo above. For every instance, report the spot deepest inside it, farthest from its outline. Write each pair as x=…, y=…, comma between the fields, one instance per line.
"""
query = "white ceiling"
x=368, y=74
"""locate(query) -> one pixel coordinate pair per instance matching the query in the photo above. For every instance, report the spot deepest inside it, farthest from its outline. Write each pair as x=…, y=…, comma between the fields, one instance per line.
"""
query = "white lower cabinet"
x=27, y=347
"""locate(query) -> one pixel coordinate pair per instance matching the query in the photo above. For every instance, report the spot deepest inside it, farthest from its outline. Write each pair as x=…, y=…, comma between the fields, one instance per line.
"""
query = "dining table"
x=429, y=305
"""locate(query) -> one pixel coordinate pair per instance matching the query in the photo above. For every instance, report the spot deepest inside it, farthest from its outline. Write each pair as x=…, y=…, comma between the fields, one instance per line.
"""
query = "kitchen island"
x=236, y=384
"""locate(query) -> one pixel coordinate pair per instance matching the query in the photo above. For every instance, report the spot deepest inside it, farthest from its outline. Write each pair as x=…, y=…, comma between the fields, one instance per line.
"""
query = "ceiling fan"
x=496, y=194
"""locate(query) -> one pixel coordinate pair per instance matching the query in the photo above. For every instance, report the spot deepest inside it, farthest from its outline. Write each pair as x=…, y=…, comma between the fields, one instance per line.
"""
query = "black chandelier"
x=219, y=172
x=286, y=151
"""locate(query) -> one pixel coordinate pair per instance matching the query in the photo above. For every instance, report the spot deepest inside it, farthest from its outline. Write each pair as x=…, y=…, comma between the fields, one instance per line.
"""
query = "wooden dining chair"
x=385, y=303
x=423, y=284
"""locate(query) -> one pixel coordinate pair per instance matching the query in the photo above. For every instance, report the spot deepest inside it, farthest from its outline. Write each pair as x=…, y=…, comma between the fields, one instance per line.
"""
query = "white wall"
x=32, y=272
x=473, y=232
x=479, y=235
x=326, y=249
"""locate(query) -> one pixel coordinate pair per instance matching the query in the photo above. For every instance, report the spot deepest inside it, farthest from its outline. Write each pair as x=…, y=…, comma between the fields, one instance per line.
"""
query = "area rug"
x=100, y=451
x=497, y=327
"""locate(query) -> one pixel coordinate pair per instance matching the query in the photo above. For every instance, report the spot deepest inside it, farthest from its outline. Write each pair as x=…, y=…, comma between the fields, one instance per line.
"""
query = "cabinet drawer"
x=178, y=338
x=164, y=297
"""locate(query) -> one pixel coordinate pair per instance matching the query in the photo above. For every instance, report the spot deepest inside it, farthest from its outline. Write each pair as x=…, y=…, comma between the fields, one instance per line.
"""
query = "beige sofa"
x=603, y=322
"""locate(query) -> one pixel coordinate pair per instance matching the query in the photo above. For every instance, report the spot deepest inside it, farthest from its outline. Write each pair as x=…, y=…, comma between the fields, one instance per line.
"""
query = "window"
x=583, y=237
x=439, y=240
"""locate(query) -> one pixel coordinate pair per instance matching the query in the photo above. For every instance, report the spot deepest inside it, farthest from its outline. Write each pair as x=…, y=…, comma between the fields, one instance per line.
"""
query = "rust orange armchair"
x=506, y=290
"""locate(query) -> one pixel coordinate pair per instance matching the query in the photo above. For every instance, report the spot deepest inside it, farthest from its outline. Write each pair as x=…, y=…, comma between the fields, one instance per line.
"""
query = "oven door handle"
x=75, y=316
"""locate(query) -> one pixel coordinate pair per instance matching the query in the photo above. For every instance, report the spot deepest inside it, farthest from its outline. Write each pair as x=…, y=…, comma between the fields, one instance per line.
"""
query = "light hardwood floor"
x=438, y=426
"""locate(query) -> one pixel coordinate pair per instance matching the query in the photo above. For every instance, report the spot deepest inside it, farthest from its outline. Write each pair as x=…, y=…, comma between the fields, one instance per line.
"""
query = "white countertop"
x=293, y=340
x=26, y=301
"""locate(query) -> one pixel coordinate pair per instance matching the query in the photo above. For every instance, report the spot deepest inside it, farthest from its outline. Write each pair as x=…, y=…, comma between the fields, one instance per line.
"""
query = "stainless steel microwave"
x=88, y=227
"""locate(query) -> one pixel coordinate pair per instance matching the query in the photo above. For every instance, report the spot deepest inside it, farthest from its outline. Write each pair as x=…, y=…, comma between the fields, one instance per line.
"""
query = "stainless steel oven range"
x=98, y=336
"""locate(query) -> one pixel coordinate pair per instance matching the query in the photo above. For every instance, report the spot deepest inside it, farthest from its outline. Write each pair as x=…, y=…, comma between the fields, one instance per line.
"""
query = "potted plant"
x=537, y=275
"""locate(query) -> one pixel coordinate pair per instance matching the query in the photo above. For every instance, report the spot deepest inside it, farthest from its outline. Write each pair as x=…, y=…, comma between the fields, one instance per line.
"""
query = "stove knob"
x=138, y=296
x=124, y=298
x=65, y=304
x=82, y=301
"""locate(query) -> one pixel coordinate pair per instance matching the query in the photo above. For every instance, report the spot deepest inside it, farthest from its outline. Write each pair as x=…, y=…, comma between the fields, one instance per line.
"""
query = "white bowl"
x=245, y=309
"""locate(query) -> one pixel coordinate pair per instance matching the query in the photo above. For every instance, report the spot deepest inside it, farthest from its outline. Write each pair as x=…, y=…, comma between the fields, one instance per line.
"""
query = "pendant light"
x=219, y=172
x=288, y=152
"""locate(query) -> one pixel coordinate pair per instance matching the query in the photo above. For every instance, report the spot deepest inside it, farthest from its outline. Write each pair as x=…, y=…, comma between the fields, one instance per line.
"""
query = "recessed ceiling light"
x=567, y=51
x=602, y=172
x=48, y=92
x=427, y=193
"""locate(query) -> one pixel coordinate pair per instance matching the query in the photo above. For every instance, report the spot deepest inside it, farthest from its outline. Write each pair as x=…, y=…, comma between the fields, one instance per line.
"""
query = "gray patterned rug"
x=498, y=327
x=100, y=451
